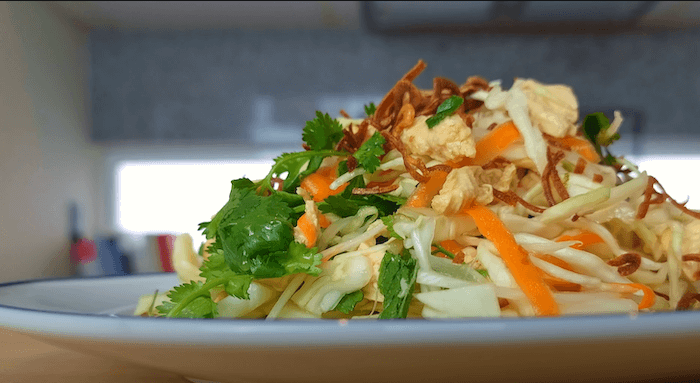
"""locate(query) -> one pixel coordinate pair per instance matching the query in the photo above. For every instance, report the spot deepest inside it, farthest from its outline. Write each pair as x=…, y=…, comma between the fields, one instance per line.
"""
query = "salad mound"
x=459, y=201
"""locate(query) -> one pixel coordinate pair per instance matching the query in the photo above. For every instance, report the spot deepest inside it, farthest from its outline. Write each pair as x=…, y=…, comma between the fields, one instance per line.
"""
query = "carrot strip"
x=323, y=221
x=580, y=146
x=526, y=275
x=649, y=295
x=452, y=246
x=555, y=261
x=586, y=238
x=307, y=229
x=318, y=184
x=491, y=146
x=425, y=191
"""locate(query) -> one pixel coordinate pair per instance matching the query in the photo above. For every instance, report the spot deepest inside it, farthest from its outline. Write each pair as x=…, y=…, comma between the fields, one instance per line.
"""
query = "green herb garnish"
x=447, y=108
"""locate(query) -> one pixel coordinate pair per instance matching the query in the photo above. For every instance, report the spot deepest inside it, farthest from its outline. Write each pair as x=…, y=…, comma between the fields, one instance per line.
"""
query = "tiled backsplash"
x=260, y=87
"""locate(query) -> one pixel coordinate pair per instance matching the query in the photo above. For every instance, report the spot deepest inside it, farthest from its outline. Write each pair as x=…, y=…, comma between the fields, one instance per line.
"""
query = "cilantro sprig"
x=297, y=166
x=397, y=281
x=447, y=108
x=323, y=132
x=253, y=240
x=349, y=301
x=369, y=152
x=370, y=109
x=596, y=128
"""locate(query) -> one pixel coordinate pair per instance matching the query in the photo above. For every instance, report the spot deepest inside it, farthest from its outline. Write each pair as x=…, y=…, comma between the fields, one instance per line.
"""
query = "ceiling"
x=288, y=15
x=214, y=14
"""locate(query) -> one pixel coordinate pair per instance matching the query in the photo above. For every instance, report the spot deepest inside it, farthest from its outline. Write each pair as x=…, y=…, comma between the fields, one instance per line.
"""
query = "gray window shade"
x=260, y=88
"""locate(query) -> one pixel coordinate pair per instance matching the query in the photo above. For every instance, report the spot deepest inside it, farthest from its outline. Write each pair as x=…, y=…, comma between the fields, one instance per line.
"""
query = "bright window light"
x=676, y=174
x=173, y=197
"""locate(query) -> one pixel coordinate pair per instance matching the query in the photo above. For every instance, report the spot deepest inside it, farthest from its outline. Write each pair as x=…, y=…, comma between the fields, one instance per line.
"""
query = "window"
x=159, y=197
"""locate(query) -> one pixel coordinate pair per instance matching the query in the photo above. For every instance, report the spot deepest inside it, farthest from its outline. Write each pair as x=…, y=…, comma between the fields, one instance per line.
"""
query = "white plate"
x=87, y=315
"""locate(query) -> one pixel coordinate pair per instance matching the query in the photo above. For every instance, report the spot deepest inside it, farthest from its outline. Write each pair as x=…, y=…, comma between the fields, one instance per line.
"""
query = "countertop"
x=26, y=360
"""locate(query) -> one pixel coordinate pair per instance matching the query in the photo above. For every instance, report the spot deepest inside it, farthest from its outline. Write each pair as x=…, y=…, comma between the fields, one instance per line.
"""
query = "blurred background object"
x=124, y=122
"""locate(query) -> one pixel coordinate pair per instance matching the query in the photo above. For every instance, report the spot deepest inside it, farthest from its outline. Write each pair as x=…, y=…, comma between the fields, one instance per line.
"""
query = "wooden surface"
x=24, y=359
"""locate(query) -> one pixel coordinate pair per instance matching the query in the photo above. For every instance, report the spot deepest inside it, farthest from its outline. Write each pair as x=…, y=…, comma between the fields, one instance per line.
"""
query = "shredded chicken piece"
x=462, y=186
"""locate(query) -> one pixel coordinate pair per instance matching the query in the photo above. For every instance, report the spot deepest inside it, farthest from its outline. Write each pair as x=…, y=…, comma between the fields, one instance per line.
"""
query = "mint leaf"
x=445, y=109
x=370, y=109
x=348, y=302
x=397, y=280
x=369, y=152
x=323, y=132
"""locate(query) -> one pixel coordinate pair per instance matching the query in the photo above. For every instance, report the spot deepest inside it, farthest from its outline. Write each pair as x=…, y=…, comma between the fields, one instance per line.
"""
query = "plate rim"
x=337, y=332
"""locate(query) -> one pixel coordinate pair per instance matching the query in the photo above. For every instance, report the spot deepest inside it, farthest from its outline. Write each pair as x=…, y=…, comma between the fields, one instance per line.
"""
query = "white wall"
x=46, y=160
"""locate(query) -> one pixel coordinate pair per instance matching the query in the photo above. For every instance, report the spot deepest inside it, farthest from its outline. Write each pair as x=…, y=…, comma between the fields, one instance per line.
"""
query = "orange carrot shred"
x=318, y=184
x=526, y=275
x=425, y=192
x=307, y=229
x=586, y=238
x=649, y=295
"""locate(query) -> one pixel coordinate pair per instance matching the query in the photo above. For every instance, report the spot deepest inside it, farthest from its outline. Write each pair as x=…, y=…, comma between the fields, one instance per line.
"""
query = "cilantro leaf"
x=595, y=129
x=239, y=188
x=300, y=259
x=389, y=223
x=252, y=237
x=322, y=132
x=393, y=198
x=297, y=166
x=397, y=280
x=342, y=167
x=189, y=300
x=370, y=109
x=347, y=204
x=348, y=302
x=369, y=152
x=483, y=272
x=338, y=205
x=445, y=109
x=215, y=268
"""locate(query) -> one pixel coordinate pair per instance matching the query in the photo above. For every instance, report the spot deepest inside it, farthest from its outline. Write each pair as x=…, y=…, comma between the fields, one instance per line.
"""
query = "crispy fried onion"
x=351, y=141
x=379, y=189
x=691, y=258
x=626, y=263
x=404, y=120
x=550, y=174
x=580, y=166
x=472, y=85
x=653, y=197
x=512, y=199
x=415, y=167
x=387, y=109
x=662, y=295
x=686, y=301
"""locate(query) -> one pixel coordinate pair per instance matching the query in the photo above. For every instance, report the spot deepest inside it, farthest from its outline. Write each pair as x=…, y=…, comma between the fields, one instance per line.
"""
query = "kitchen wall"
x=46, y=158
x=258, y=88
